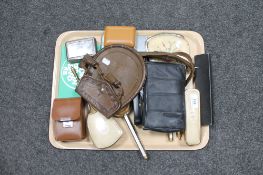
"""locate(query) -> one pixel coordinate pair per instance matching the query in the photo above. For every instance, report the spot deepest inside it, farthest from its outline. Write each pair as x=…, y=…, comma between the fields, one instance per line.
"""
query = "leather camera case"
x=180, y=58
x=68, y=119
x=164, y=105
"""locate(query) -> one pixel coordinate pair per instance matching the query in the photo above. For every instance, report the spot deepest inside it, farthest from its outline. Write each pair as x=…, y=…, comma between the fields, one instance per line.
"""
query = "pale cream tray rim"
x=128, y=143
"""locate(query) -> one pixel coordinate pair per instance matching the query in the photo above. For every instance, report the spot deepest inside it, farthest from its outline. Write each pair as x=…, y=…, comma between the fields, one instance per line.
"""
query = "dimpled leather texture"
x=164, y=108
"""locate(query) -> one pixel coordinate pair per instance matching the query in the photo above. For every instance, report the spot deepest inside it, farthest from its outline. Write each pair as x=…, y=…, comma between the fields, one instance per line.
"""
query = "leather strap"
x=88, y=61
x=177, y=57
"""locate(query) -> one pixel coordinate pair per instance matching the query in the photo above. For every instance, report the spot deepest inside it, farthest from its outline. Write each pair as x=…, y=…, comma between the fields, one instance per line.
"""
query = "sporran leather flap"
x=121, y=71
x=100, y=94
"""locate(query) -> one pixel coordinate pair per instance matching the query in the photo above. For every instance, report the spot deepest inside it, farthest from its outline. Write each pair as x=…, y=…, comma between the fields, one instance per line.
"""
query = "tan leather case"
x=119, y=35
x=68, y=119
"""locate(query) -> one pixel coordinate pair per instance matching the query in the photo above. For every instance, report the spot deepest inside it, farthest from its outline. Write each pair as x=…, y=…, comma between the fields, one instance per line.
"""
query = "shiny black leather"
x=164, y=108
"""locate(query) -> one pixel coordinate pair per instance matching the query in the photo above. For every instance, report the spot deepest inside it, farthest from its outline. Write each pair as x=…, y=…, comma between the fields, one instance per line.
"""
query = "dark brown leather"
x=177, y=57
x=120, y=69
x=124, y=35
x=100, y=94
x=68, y=110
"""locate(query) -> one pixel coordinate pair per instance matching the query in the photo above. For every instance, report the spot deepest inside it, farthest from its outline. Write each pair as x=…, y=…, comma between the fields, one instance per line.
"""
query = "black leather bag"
x=164, y=105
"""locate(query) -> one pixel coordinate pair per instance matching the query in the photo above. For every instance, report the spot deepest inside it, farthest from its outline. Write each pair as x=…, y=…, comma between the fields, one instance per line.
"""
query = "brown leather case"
x=100, y=94
x=116, y=73
x=68, y=117
x=119, y=35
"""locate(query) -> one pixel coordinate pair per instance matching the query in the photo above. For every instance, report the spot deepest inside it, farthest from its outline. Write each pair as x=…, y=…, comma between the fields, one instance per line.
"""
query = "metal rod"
x=179, y=135
x=171, y=136
x=73, y=70
x=137, y=140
